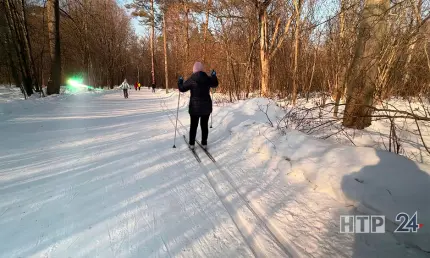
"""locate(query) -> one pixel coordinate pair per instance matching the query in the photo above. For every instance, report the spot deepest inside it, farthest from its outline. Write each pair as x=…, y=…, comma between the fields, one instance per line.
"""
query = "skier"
x=138, y=85
x=135, y=86
x=200, y=106
x=153, y=87
x=125, y=86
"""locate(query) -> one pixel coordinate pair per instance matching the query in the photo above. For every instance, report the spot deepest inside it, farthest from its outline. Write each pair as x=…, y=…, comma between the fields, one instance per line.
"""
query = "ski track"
x=266, y=192
x=98, y=178
x=260, y=237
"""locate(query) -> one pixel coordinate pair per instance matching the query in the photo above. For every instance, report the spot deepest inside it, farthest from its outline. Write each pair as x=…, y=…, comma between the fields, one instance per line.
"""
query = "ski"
x=206, y=151
x=193, y=151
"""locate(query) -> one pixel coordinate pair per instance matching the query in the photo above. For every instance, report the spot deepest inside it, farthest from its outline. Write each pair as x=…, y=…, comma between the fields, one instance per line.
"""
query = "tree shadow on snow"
x=103, y=193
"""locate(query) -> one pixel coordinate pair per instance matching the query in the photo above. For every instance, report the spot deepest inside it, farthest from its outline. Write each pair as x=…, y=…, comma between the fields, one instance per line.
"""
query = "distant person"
x=135, y=86
x=125, y=86
x=200, y=106
x=138, y=85
x=153, y=87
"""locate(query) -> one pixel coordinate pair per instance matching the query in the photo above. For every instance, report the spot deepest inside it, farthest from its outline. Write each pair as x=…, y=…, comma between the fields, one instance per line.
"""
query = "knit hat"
x=198, y=67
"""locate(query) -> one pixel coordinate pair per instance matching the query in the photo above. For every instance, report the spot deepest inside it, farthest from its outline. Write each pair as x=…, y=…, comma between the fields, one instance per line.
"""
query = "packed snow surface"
x=95, y=175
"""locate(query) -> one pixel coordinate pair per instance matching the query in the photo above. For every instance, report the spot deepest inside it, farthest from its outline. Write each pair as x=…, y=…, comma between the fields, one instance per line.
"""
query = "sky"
x=324, y=9
x=140, y=30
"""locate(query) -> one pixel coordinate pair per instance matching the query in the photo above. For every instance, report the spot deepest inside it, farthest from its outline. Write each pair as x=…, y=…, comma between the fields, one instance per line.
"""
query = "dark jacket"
x=199, y=84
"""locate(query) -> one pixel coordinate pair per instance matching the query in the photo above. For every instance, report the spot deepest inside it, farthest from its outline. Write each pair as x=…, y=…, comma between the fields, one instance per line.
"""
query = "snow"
x=376, y=136
x=9, y=93
x=90, y=175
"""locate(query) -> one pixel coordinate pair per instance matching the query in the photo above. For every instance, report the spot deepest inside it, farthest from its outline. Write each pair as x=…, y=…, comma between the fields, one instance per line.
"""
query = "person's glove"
x=180, y=80
x=213, y=73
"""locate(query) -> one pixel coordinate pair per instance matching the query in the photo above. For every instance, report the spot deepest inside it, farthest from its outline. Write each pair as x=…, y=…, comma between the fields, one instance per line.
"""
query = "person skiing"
x=200, y=106
x=125, y=86
x=135, y=86
x=138, y=85
x=153, y=87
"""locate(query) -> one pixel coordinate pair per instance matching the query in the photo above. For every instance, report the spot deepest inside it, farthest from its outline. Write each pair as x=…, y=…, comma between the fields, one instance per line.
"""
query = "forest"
x=357, y=53
x=314, y=135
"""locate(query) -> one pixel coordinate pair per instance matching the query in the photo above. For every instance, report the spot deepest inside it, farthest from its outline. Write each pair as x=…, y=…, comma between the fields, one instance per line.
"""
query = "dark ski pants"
x=125, y=93
x=204, y=121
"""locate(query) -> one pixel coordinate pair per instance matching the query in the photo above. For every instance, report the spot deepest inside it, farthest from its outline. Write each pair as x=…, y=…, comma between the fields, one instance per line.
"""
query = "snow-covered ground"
x=95, y=175
x=9, y=93
x=316, y=119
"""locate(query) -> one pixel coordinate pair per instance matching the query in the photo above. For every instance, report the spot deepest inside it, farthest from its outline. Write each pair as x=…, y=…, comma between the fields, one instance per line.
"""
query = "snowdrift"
x=9, y=93
x=316, y=119
x=12, y=100
x=332, y=179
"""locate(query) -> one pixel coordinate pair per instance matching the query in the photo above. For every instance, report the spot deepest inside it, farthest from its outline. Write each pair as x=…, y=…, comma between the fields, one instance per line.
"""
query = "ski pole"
x=212, y=110
x=213, y=73
x=176, y=126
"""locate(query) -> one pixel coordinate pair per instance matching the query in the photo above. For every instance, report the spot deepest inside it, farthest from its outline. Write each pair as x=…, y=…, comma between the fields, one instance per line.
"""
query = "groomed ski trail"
x=97, y=176
x=258, y=233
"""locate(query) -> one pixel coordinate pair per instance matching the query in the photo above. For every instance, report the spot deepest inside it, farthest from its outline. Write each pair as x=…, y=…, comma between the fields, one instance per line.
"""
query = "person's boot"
x=204, y=144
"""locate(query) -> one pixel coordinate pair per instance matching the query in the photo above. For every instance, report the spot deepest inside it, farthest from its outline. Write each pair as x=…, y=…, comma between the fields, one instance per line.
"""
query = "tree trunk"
x=410, y=50
x=7, y=44
x=363, y=72
x=264, y=54
x=87, y=46
x=166, y=67
x=175, y=55
x=206, y=27
x=53, y=13
x=152, y=42
x=187, y=37
x=28, y=51
x=297, y=6
x=312, y=74
x=18, y=19
x=16, y=28
x=250, y=66
x=340, y=87
x=230, y=90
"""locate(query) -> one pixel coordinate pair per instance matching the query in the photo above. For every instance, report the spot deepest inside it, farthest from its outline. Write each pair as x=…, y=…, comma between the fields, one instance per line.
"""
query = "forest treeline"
x=359, y=51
